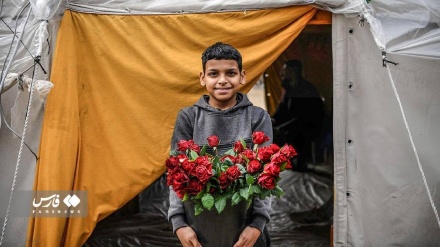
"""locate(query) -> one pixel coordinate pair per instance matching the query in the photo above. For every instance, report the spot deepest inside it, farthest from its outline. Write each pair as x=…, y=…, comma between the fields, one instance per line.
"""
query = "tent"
x=120, y=70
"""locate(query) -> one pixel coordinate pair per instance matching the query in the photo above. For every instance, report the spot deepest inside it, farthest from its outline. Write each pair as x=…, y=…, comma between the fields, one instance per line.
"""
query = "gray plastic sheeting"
x=149, y=227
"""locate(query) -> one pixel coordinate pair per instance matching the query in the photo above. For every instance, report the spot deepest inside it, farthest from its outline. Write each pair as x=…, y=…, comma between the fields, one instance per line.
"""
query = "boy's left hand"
x=248, y=237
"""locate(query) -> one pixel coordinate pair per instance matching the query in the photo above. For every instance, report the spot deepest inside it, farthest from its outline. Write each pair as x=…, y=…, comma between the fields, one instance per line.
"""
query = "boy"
x=229, y=115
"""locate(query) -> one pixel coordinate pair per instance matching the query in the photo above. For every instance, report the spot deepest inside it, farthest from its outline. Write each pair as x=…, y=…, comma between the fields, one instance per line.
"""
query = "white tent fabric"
x=381, y=196
x=406, y=27
x=378, y=170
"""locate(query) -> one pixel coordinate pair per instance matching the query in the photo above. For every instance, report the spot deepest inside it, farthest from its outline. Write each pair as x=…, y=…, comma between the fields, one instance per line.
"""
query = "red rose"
x=194, y=147
x=203, y=173
x=213, y=141
x=239, y=160
x=272, y=169
x=259, y=137
x=194, y=187
x=275, y=148
x=223, y=180
x=180, y=192
x=172, y=163
x=289, y=151
x=266, y=181
x=233, y=173
x=179, y=177
x=253, y=166
x=248, y=154
x=169, y=179
x=264, y=153
x=278, y=158
x=178, y=180
x=288, y=165
x=202, y=161
x=230, y=157
x=182, y=158
x=187, y=165
x=238, y=147
x=183, y=145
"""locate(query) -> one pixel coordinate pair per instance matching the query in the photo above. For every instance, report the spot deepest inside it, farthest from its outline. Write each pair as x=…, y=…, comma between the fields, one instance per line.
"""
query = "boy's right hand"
x=188, y=237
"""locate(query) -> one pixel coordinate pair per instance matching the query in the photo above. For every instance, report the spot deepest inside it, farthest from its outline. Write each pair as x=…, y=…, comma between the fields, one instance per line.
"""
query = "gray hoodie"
x=200, y=121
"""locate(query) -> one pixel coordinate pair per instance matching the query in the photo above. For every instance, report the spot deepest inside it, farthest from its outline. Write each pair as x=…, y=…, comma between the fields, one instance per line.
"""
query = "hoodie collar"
x=242, y=101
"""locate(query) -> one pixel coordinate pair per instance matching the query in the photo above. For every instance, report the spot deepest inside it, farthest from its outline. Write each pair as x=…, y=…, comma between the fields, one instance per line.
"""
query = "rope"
x=22, y=139
x=18, y=158
x=414, y=147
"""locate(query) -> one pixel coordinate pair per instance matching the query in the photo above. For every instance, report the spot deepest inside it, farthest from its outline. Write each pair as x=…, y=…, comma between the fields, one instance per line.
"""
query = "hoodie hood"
x=242, y=101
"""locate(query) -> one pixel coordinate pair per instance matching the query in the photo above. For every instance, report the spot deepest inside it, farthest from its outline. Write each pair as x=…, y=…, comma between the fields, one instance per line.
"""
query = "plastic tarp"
x=381, y=197
x=144, y=222
x=406, y=27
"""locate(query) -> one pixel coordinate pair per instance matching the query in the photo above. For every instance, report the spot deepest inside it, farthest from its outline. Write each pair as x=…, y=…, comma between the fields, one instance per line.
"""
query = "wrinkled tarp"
x=148, y=226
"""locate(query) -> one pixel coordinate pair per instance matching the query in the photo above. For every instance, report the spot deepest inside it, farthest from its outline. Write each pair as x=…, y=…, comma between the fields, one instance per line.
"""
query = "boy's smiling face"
x=222, y=80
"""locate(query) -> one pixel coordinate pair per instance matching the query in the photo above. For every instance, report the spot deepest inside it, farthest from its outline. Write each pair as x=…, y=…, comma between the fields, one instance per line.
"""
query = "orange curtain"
x=119, y=83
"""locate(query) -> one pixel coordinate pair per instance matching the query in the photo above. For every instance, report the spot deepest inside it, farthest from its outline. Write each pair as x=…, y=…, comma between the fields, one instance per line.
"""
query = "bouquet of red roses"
x=239, y=174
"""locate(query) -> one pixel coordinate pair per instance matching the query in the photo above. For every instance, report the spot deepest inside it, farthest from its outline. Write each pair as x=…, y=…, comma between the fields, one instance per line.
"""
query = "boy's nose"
x=222, y=80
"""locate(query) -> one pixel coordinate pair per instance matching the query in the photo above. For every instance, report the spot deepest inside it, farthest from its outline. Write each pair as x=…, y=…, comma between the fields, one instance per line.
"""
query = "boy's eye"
x=212, y=73
x=232, y=73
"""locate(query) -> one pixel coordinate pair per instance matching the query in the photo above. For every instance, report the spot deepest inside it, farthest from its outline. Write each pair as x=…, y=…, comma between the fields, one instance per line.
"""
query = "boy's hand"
x=248, y=237
x=187, y=237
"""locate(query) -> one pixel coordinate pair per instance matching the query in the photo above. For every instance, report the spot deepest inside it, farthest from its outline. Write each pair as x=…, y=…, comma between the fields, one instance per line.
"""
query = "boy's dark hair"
x=220, y=51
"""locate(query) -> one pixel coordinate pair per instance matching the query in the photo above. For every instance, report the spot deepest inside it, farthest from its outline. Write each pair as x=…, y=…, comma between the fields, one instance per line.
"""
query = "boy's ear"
x=243, y=77
x=202, y=78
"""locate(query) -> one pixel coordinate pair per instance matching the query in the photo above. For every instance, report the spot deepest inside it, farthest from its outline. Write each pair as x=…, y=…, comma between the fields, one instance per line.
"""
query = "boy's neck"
x=227, y=105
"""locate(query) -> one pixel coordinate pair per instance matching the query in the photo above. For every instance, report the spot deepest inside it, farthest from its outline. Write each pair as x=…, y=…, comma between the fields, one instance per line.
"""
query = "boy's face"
x=222, y=80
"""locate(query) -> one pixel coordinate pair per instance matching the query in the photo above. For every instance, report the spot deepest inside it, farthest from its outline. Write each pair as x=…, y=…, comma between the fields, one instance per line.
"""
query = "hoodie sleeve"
x=261, y=208
x=183, y=130
x=262, y=122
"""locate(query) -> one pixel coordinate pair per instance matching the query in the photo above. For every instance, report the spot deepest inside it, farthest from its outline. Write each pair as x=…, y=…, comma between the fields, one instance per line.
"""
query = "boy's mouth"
x=223, y=89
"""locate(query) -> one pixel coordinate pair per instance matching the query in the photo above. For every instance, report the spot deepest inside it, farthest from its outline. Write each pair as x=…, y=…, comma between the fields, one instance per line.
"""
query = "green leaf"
x=230, y=152
x=242, y=169
x=251, y=191
x=198, y=208
x=208, y=201
x=246, y=159
x=244, y=192
x=249, y=179
x=283, y=166
x=220, y=204
x=236, y=198
x=200, y=195
x=277, y=191
x=185, y=197
x=228, y=162
x=243, y=143
x=264, y=193
x=216, y=164
x=193, y=155
x=173, y=153
x=203, y=151
x=228, y=194
x=248, y=203
x=224, y=167
x=256, y=189
x=208, y=187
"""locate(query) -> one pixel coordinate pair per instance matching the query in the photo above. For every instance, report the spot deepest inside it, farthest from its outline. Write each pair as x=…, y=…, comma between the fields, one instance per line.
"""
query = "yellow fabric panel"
x=119, y=83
